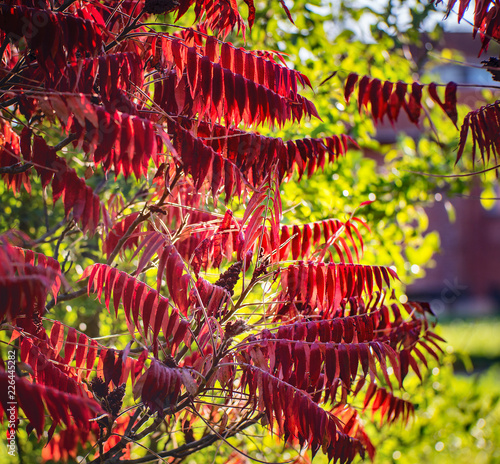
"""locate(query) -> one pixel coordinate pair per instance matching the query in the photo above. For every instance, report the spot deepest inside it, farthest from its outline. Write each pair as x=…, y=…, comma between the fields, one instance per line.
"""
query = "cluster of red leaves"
x=171, y=263
x=118, y=141
x=205, y=240
x=319, y=286
x=484, y=124
x=34, y=399
x=253, y=153
x=210, y=239
x=77, y=361
x=43, y=262
x=391, y=407
x=117, y=367
x=486, y=18
x=210, y=249
x=55, y=386
x=210, y=80
x=115, y=76
x=58, y=380
x=78, y=198
x=388, y=98
x=118, y=231
x=353, y=426
x=45, y=372
x=118, y=72
x=159, y=386
x=64, y=445
x=10, y=158
x=204, y=164
x=222, y=16
x=307, y=237
x=314, y=426
x=204, y=247
x=54, y=38
x=306, y=363
x=223, y=82
x=77, y=346
x=204, y=294
x=138, y=299
x=220, y=94
x=25, y=280
x=69, y=370
x=209, y=296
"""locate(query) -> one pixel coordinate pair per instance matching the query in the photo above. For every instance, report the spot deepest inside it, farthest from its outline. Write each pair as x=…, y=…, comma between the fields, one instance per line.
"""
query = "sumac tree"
x=165, y=207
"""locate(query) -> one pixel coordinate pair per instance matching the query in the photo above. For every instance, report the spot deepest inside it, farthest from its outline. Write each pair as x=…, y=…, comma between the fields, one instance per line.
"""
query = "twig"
x=65, y=142
x=469, y=174
x=4, y=45
x=66, y=297
x=8, y=103
x=123, y=33
x=141, y=218
x=50, y=232
x=65, y=5
x=15, y=169
x=45, y=210
x=68, y=227
x=190, y=448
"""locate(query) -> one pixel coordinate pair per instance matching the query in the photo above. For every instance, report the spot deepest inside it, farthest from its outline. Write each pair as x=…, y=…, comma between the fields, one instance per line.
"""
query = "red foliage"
x=23, y=284
x=34, y=399
x=486, y=19
x=483, y=124
x=388, y=98
x=168, y=110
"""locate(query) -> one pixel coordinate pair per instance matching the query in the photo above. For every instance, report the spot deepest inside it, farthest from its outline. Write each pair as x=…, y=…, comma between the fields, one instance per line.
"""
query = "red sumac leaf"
x=450, y=102
x=70, y=345
x=315, y=362
x=349, y=86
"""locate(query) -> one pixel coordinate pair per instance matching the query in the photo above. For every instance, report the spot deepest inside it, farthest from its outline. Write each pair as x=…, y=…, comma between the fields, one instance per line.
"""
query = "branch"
x=16, y=168
x=6, y=41
x=65, y=142
x=65, y=5
x=66, y=297
x=141, y=218
x=469, y=174
x=8, y=103
x=68, y=227
x=189, y=448
x=123, y=34
x=20, y=168
x=49, y=232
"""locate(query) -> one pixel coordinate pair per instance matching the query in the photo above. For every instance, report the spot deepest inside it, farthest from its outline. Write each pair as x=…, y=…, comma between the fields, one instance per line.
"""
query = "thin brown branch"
x=66, y=297
x=126, y=30
x=469, y=174
x=190, y=448
x=65, y=142
x=65, y=5
x=15, y=168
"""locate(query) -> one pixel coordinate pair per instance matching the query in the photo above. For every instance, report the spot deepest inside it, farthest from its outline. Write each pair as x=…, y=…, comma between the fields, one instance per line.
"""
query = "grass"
x=475, y=343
